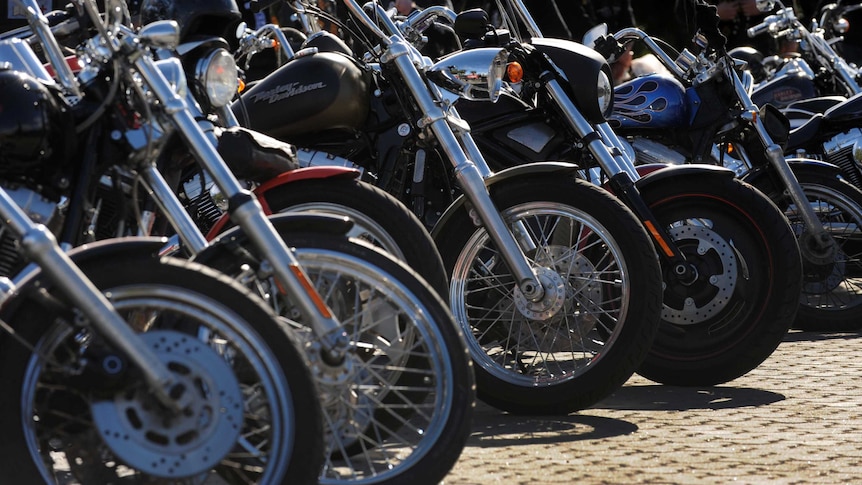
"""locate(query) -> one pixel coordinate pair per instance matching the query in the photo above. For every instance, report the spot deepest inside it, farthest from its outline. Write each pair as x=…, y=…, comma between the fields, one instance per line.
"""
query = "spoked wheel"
x=746, y=273
x=600, y=309
x=79, y=415
x=378, y=218
x=398, y=408
x=831, y=297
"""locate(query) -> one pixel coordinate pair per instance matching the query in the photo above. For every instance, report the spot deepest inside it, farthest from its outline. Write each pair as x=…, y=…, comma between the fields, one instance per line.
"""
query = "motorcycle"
x=391, y=368
x=378, y=217
x=704, y=114
x=816, y=71
x=163, y=371
x=551, y=279
x=713, y=327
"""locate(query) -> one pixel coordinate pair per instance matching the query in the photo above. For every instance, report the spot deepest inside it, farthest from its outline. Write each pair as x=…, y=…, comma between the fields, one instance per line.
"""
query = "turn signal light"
x=514, y=72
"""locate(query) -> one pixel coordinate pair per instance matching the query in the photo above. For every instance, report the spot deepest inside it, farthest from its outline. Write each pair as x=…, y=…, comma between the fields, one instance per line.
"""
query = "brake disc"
x=161, y=442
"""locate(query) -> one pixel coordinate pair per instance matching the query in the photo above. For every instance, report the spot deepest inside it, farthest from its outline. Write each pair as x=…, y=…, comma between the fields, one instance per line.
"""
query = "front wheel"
x=67, y=417
x=398, y=408
x=747, y=270
x=831, y=297
x=600, y=308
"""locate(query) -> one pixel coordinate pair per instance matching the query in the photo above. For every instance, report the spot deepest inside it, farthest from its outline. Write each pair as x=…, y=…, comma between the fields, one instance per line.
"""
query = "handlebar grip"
x=758, y=29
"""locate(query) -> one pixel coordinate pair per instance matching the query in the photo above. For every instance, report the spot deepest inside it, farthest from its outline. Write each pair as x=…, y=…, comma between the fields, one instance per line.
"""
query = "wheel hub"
x=148, y=436
x=717, y=269
x=552, y=301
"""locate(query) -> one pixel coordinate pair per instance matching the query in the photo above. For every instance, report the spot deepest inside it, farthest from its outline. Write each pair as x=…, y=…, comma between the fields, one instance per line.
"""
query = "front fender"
x=306, y=173
x=519, y=173
x=97, y=253
x=765, y=179
x=654, y=173
x=290, y=223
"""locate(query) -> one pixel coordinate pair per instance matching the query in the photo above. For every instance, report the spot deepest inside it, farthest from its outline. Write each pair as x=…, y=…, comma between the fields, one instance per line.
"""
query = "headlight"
x=218, y=75
x=605, y=93
x=473, y=74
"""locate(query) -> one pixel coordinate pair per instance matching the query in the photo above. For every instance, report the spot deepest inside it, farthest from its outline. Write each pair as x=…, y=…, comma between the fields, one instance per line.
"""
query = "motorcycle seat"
x=800, y=136
x=848, y=109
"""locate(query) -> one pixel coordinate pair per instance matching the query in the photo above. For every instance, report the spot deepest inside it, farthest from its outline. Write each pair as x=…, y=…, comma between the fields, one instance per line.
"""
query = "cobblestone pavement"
x=794, y=419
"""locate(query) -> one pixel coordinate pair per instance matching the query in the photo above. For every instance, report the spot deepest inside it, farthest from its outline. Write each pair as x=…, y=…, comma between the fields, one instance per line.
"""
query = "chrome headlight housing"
x=475, y=74
x=605, y=93
x=218, y=75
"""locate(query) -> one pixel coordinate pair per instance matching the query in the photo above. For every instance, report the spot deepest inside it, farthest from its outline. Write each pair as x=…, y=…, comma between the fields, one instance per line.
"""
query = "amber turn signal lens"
x=241, y=86
x=514, y=72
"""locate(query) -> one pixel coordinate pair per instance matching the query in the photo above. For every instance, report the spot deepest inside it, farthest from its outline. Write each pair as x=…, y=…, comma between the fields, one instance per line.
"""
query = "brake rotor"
x=148, y=436
x=717, y=271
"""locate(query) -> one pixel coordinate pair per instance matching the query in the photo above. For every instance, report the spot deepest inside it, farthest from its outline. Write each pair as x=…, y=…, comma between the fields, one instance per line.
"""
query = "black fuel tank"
x=313, y=93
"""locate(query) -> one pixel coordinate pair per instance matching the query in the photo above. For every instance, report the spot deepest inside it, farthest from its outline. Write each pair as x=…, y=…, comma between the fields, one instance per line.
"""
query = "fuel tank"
x=651, y=101
x=784, y=90
x=312, y=93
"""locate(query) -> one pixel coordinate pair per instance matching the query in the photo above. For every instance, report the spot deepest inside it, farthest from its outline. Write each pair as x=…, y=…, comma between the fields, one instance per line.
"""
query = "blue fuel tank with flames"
x=652, y=101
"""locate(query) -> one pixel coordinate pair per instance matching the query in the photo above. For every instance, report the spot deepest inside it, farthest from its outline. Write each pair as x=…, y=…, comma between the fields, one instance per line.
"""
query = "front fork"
x=604, y=145
x=816, y=240
x=246, y=212
x=471, y=174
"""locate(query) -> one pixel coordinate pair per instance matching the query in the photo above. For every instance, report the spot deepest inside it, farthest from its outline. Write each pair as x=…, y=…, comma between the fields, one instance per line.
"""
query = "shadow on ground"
x=493, y=428
x=657, y=397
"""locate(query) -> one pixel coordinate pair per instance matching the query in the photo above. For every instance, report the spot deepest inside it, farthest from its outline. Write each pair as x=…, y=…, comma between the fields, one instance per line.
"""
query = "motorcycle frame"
x=604, y=145
x=244, y=209
x=749, y=114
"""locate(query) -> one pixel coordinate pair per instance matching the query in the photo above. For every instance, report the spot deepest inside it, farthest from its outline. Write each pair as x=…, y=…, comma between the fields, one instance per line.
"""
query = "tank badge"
x=285, y=91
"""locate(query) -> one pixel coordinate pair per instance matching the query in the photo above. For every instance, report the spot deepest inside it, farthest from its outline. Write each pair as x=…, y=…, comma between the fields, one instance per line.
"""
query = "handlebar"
x=781, y=21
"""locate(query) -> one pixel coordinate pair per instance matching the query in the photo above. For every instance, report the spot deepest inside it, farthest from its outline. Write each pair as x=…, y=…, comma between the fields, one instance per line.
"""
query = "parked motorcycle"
x=377, y=217
x=704, y=114
x=552, y=280
x=713, y=329
x=390, y=364
x=123, y=365
x=816, y=70
x=818, y=91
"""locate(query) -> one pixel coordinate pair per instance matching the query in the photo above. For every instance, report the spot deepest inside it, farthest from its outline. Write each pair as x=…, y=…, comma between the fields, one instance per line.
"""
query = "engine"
x=202, y=201
x=845, y=151
x=40, y=210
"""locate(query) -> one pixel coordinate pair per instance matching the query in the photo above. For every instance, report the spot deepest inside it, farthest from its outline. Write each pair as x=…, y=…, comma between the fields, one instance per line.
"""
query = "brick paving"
x=795, y=419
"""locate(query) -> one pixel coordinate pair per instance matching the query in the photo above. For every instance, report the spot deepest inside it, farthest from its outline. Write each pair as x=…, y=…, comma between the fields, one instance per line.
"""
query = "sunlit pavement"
x=795, y=419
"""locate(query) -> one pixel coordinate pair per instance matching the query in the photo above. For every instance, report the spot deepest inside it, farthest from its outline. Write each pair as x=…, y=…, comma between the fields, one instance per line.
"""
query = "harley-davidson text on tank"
x=285, y=91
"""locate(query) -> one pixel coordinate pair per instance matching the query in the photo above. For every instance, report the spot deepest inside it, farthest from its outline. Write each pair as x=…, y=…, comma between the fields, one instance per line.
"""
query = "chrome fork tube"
x=466, y=171
x=605, y=146
x=246, y=212
x=173, y=210
x=612, y=159
x=40, y=245
x=776, y=157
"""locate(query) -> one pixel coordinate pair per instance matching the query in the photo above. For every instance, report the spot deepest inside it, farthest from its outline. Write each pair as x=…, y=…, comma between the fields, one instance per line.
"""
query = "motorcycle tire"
x=402, y=411
x=378, y=217
x=748, y=275
x=831, y=297
x=64, y=419
x=602, y=295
